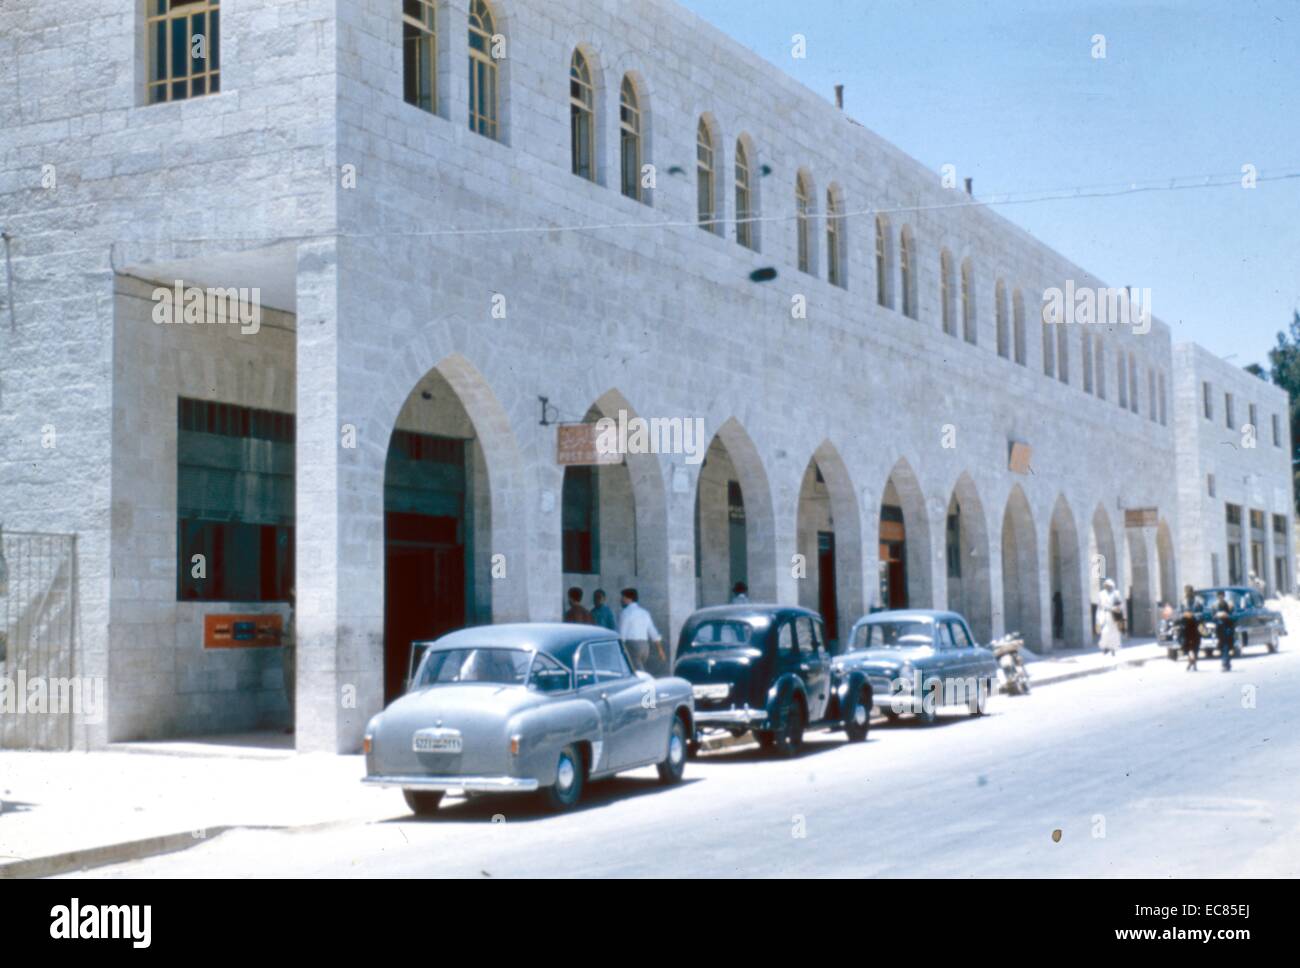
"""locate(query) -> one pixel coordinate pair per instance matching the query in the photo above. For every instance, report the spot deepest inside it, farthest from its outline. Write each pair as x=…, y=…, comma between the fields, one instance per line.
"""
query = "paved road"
x=1177, y=772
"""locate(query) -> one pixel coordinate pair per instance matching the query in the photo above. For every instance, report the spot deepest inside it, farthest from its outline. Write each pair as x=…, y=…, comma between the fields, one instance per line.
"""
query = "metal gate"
x=38, y=692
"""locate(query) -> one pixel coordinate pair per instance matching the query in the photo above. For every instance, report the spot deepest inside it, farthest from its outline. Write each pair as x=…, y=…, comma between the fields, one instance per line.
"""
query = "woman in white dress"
x=1109, y=607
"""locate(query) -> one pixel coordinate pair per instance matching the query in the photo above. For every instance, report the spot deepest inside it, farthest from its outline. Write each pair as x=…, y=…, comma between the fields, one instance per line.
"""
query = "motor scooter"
x=1011, y=667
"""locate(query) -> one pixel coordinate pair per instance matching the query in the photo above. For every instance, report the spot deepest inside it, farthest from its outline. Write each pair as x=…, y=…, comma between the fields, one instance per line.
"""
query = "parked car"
x=1255, y=623
x=919, y=660
x=504, y=708
x=767, y=669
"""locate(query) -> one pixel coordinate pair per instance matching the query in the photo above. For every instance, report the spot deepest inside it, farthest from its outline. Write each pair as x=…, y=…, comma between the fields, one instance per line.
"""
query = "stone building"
x=465, y=224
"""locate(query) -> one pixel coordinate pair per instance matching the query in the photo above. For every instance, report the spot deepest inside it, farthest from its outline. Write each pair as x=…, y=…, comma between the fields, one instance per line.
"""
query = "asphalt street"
x=1149, y=771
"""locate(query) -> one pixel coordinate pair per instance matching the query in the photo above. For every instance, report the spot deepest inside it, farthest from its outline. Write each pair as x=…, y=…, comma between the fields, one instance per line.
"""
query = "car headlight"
x=906, y=675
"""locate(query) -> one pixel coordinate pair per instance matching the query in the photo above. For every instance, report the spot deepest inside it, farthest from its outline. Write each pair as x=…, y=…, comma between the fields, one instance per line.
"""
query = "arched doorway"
x=904, y=536
x=1066, y=579
x=829, y=539
x=1165, y=554
x=1137, y=591
x=612, y=533
x=734, y=528
x=967, y=544
x=437, y=526
x=1021, y=610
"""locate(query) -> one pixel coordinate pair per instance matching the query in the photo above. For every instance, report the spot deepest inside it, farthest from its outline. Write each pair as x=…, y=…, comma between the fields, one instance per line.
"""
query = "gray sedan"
x=505, y=708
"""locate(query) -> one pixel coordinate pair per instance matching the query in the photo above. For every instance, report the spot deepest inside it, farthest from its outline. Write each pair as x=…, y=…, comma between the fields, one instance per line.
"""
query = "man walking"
x=577, y=613
x=1110, y=618
x=601, y=613
x=637, y=630
x=1225, y=630
x=1190, y=627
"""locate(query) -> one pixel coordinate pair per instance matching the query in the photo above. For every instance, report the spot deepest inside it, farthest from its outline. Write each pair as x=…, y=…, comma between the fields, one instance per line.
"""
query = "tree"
x=1284, y=368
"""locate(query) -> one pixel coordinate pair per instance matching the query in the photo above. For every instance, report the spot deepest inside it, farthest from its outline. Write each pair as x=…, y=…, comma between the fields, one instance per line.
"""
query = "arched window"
x=744, y=197
x=483, y=94
x=907, y=271
x=582, y=110
x=1132, y=383
x=704, y=176
x=1018, y=325
x=1122, y=380
x=945, y=293
x=1099, y=367
x=834, y=240
x=420, y=54
x=803, y=222
x=968, y=302
x=629, y=138
x=1049, y=341
x=1000, y=314
x=882, y=261
x=1086, y=340
x=1063, y=353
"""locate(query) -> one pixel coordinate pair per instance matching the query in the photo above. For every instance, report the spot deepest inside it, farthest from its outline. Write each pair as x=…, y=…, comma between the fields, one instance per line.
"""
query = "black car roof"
x=748, y=611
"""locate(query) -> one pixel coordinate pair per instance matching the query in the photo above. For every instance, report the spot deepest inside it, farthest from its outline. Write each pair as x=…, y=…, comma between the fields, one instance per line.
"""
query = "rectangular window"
x=1214, y=569
x=182, y=38
x=1228, y=417
x=1277, y=431
x=1164, y=401
x=1234, y=515
x=1279, y=524
x=1256, y=520
x=1234, y=564
x=1254, y=417
x=1209, y=484
x=234, y=503
x=1207, y=400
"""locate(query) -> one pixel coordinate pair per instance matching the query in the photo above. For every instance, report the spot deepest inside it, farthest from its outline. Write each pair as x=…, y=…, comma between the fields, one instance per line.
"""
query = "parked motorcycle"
x=1011, y=667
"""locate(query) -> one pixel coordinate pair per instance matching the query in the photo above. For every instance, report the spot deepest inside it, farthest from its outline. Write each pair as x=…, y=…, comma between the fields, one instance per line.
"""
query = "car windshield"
x=499, y=666
x=901, y=634
x=721, y=635
x=1209, y=596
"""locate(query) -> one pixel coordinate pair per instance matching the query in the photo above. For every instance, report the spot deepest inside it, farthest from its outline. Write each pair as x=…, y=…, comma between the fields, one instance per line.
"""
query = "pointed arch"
x=735, y=526
x=906, y=576
x=1065, y=577
x=967, y=545
x=1021, y=608
x=828, y=533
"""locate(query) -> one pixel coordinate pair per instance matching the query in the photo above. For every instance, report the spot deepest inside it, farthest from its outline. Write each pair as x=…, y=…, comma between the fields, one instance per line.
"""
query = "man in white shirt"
x=637, y=630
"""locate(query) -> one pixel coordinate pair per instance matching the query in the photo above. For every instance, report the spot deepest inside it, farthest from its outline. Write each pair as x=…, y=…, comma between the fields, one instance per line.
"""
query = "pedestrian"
x=1110, y=619
x=577, y=613
x=601, y=613
x=289, y=660
x=739, y=593
x=1190, y=627
x=1225, y=631
x=1257, y=583
x=637, y=630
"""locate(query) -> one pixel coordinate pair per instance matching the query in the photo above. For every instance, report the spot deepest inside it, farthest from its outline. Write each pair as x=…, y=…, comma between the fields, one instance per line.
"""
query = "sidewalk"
x=62, y=812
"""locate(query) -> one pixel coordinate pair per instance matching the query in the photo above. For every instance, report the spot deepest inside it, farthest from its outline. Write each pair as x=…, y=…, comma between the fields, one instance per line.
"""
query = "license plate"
x=719, y=691
x=436, y=741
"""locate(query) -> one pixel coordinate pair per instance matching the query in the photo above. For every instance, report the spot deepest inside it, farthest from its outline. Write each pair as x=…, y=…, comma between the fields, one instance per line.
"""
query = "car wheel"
x=859, y=721
x=766, y=739
x=670, y=770
x=1272, y=641
x=789, y=738
x=976, y=703
x=423, y=803
x=928, y=714
x=892, y=716
x=567, y=788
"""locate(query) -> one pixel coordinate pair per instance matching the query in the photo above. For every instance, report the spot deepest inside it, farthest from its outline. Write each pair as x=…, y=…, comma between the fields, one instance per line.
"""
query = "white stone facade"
x=387, y=288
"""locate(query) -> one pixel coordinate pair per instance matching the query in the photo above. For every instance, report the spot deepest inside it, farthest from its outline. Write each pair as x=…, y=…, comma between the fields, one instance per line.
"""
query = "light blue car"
x=919, y=661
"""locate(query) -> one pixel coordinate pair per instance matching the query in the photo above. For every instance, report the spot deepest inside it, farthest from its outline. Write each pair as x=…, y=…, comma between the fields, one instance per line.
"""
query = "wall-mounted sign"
x=1018, y=460
x=1141, y=517
x=241, y=631
x=575, y=444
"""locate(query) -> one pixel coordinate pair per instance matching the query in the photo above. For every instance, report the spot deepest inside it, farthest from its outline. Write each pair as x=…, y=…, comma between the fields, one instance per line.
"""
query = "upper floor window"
x=968, y=301
x=744, y=197
x=1254, y=417
x=1049, y=344
x=907, y=270
x=1229, y=418
x=882, y=260
x=834, y=239
x=420, y=54
x=1018, y=327
x=629, y=138
x=1133, y=383
x=1164, y=400
x=1153, y=407
x=704, y=176
x=483, y=93
x=1207, y=400
x=1063, y=353
x=582, y=109
x=803, y=220
x=945, y=293
x=1277, y=431
x=1099, y=366
x=1086, y=339
x=184, y=49
x=1122, y=379
x=1000, y=317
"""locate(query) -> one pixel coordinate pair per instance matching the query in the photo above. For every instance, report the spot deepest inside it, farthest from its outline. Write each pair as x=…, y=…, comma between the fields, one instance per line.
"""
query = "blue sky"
x=1010, y=94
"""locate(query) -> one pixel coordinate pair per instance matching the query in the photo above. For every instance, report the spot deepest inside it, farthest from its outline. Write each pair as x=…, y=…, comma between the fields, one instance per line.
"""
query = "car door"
x=946, y=663
x=967, y=662
x=788, y=659
x=814, y=666
x=632, y=714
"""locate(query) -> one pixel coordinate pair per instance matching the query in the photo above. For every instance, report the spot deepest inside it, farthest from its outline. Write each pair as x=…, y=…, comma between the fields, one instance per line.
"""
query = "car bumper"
x=747, y=718
x=471, y=784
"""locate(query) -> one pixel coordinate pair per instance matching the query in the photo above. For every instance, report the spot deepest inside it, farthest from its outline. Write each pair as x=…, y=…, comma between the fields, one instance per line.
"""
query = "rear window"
x=721, y=634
